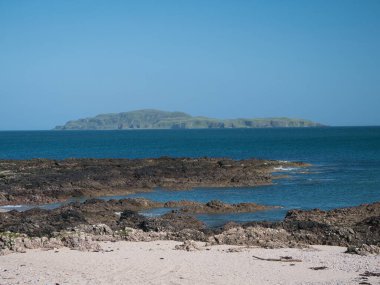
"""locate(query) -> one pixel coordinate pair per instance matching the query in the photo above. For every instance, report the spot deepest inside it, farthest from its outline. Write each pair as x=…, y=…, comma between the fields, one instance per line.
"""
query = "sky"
x=64, y=60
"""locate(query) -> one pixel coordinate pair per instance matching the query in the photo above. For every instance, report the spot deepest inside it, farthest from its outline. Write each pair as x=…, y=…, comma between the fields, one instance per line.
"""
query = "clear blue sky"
x=62, y=60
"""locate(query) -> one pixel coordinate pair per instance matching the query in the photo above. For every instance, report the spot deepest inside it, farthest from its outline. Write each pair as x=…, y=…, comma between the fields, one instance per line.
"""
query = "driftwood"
x=370, y=274
x=318, y=268
x=281, y=259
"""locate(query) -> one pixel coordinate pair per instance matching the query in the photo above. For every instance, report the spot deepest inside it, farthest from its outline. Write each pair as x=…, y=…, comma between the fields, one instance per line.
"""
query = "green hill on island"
x=155, y=119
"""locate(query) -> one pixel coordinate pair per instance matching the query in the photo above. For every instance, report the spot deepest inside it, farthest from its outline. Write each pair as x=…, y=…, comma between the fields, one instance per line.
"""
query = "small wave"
x=321, y=179
x=12, y=206
x=284, y=168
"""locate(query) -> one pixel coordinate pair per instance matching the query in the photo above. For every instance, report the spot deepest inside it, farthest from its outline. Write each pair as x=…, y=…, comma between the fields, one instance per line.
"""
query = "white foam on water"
x=12, y=206
x=7, y=208
x=284, y=168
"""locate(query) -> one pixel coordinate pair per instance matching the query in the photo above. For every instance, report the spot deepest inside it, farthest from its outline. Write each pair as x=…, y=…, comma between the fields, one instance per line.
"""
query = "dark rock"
x=131, y=219
x=41, y=181
x=214, y=207
x=172, y=222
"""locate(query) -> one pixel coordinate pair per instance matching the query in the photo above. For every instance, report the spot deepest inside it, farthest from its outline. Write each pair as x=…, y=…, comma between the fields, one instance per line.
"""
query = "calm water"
x=345, y=171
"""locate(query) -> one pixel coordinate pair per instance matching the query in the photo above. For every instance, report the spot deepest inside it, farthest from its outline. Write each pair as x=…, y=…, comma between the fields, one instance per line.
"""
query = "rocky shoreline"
x=82, y=226
x=117, y=214
x=41, y=181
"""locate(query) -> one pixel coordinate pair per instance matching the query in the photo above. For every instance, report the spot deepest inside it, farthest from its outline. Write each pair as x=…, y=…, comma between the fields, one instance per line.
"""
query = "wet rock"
x=215, y=207
x=172, y=222
x=38, y=222
x=40, y=181
x=131, y=204
x=131, y=219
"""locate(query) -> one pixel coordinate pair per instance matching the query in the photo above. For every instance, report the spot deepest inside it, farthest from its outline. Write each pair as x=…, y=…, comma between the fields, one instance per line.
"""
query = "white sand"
x=158, y=263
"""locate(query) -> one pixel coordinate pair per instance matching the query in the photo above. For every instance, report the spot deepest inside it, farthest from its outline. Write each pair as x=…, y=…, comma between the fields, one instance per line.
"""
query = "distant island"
x=155, y=119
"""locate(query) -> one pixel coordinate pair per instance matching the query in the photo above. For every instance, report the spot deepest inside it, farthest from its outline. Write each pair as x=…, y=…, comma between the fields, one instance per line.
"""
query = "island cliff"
x=154, y=119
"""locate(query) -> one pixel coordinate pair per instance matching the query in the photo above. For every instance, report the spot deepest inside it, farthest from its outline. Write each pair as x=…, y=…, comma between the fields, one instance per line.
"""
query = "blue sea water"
x=345, y=162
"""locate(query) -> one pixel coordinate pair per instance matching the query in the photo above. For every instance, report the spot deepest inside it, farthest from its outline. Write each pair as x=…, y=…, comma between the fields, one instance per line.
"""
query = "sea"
x=344, y=171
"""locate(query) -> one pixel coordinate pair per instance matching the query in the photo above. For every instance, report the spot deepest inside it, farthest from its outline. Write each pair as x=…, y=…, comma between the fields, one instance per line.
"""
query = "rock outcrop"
x=42, y=181
x=215, y=207
x=356, y=228
x=188, y=245
x=116, y=214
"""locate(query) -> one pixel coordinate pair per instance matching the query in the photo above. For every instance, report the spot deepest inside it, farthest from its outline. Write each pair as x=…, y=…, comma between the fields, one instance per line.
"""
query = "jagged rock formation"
x=154, y=119
x=117, y=214
x=80, y=227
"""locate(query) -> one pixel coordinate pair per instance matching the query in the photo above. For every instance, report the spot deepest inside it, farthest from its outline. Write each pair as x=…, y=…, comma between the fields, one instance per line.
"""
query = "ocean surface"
x=345, y=162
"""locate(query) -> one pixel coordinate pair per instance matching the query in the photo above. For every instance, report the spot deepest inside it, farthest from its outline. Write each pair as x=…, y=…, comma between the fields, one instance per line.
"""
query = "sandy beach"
x=159, y=262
